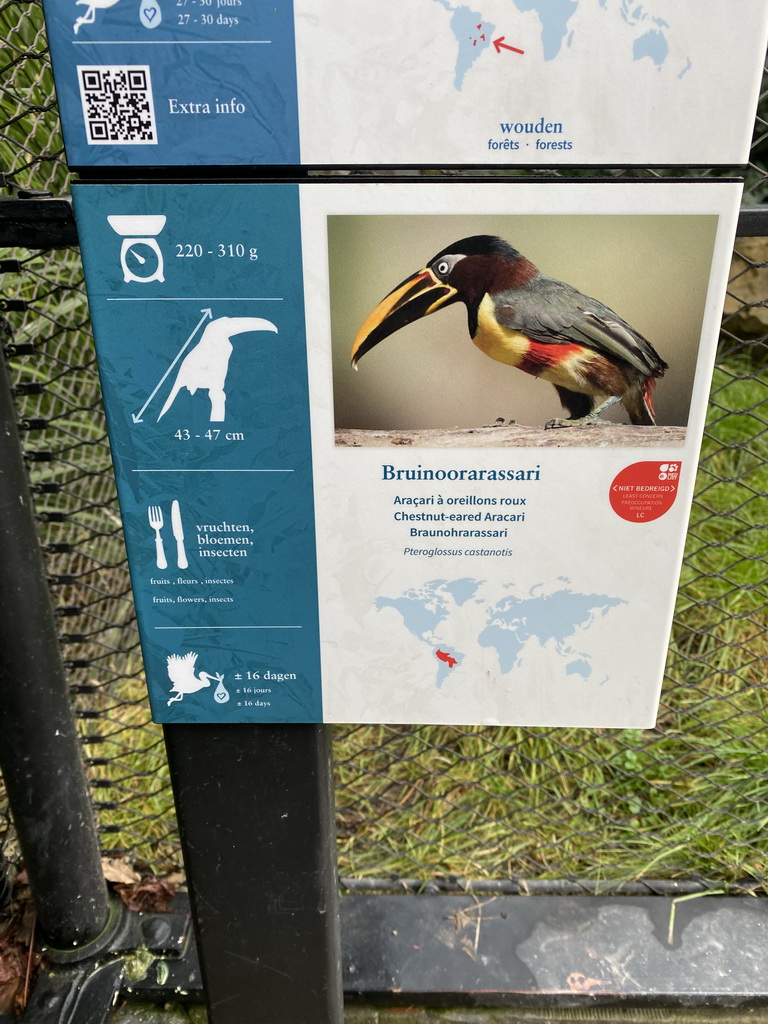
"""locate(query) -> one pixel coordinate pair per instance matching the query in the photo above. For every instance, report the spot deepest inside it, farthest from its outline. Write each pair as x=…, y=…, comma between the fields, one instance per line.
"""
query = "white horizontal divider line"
x=212, y=471
x=169, y=42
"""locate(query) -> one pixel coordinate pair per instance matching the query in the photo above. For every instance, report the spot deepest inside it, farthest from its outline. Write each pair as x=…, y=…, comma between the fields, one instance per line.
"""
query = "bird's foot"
x=582, y=421
x=500, y=422
x=591, y=419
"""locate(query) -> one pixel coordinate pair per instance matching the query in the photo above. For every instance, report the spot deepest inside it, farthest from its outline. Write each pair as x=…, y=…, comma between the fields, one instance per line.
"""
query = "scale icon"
x=141, y=258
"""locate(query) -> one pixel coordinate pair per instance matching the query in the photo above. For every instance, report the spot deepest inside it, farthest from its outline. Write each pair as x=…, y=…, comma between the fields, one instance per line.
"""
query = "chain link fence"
x=521, y=809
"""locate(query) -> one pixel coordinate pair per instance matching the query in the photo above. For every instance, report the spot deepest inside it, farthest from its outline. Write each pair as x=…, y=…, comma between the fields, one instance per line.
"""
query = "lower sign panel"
x=427, y=539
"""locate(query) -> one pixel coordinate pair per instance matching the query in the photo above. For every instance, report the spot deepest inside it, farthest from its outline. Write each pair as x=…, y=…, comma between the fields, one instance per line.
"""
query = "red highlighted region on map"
x=449, y=660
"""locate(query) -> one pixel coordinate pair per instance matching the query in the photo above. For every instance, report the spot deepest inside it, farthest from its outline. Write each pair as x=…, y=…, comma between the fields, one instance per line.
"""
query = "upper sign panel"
x=338, y=82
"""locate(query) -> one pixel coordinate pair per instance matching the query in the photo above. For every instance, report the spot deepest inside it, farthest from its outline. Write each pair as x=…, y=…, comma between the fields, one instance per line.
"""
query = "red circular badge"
x=644, y=491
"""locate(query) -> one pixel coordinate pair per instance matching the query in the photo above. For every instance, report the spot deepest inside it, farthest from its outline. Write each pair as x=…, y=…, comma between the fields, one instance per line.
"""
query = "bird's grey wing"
x=553, y=312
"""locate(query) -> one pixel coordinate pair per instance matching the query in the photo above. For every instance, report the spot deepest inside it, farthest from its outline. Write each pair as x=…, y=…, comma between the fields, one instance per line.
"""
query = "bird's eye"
x=443, y=268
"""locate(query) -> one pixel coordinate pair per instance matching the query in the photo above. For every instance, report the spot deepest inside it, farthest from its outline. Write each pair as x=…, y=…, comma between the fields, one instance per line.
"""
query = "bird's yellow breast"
x=498, y=342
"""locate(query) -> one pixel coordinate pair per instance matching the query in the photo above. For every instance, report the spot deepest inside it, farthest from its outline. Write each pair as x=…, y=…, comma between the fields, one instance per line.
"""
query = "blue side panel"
x=196, y=296
x=162, y=83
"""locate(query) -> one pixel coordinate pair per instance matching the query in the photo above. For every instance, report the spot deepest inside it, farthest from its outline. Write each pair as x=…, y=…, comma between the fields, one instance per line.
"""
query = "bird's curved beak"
x=418, y=296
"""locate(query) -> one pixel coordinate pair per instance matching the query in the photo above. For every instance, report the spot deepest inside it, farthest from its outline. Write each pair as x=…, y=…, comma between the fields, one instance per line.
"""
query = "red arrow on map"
x=501, y=45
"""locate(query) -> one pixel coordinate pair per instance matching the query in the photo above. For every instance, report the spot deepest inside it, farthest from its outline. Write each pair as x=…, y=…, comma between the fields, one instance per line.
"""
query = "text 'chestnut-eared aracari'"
x=521, y=317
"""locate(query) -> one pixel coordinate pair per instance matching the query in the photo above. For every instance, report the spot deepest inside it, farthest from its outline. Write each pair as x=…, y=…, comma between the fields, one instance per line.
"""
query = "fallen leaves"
x=144, y=893
x=18, y=959
x=149, y=895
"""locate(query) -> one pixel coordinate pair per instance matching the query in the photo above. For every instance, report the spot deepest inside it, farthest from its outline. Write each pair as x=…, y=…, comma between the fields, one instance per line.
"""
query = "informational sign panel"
x=310, y=543
x=158, y=83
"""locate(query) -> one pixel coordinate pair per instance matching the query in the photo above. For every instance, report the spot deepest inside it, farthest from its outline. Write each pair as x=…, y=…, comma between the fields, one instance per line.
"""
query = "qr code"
x=117, y=105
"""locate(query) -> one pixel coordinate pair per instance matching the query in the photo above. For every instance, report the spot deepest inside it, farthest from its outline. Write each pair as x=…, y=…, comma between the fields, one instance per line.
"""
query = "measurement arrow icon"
x=207, y=315
x=501, y=45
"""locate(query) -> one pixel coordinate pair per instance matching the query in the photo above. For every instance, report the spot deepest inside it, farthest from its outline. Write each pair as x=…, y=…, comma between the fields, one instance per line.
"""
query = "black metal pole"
x=255, y=810
x=40, y=755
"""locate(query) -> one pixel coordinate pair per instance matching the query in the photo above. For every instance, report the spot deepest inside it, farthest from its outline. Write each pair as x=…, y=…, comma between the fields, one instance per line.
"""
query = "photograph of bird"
x=519, y=316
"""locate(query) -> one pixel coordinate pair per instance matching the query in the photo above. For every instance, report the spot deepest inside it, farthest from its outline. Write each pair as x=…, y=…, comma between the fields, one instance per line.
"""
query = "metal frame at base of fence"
x=449, y=951
x=561, y=951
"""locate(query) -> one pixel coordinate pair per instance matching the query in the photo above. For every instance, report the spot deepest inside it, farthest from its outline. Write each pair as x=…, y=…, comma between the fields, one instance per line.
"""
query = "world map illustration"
x=474, y=33
x=509, y=623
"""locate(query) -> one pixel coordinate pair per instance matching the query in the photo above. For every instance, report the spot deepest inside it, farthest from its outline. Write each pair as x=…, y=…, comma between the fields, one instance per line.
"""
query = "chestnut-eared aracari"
x=521, y=317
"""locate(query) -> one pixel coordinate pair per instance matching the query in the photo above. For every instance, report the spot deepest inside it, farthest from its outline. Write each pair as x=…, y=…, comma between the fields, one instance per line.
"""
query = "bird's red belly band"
x=541, y=356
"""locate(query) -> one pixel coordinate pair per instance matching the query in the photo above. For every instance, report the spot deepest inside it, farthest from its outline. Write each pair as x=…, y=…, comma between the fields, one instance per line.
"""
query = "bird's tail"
x=170, y=399
x=638, y=402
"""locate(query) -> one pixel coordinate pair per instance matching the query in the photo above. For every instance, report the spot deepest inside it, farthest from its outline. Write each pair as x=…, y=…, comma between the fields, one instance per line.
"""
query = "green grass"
x=129, y=775
x=31, y=147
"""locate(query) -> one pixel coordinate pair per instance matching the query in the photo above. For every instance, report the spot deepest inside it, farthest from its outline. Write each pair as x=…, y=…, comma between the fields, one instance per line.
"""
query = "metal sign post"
x=40, y=753
x=255, y=809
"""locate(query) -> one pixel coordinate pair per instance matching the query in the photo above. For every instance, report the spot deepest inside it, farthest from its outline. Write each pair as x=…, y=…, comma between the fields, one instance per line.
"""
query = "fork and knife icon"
x=156, y=522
